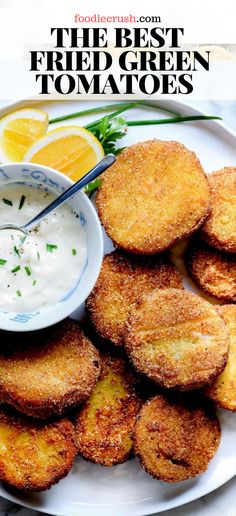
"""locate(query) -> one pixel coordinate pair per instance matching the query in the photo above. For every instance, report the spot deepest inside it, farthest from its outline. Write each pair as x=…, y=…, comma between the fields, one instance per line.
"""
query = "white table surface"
x=222, y=501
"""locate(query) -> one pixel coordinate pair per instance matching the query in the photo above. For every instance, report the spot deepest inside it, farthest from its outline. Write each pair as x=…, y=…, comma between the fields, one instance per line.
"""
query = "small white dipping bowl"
x=52, y=181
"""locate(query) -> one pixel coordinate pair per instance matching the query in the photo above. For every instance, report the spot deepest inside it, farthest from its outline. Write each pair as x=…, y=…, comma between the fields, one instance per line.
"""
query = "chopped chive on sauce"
x=34, y=282
x=22, y=202
x=19, y=293
x=7, y=201
x=74, y=252
x=38, y=255
x=17, y=251
x=2, y=262
x=28, y=271
x=22, y=239
x=16, y=269
x=50, y=247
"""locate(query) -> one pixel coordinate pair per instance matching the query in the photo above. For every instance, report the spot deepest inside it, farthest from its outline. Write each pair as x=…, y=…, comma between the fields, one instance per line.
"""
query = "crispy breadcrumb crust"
x=219, y=229
x=223, y=390
x=44, y=374
x=153, y=196
x=177, y=339
x=175, y=440
x=34, y=455
x=213, y=271
x=105, y=422
x=123, y=278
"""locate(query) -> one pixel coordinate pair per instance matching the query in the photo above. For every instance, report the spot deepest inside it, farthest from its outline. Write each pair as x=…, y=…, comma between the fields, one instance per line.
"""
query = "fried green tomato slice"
x=213, y=271
x=46, y=373
x=122, y=280
x=223, y=390
x=219, y=229
x=175, y=441
x=105, y=422
x=153, y=196
x=177, y=339
x=34, y=455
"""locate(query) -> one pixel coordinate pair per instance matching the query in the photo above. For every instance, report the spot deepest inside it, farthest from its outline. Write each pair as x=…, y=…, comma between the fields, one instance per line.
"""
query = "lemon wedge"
x=19, y=130
x=71, y=150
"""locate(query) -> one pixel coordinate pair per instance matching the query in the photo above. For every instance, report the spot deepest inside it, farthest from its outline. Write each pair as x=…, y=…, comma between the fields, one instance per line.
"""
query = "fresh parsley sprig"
x=92, y=187
x=108, y=132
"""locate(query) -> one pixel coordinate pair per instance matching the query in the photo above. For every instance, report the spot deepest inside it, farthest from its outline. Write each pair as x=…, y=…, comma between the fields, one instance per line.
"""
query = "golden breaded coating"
x=213, y=271
x=45, y=373
x=223, y=390
x=34, y=455
x=175, y=441
x=154, y=195
x=219, y=229
x=122, y=280
x=105, y=422
x=177, y=339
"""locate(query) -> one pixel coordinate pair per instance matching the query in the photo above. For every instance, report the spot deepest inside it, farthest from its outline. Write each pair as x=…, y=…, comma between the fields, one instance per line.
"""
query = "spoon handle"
x=90, y=176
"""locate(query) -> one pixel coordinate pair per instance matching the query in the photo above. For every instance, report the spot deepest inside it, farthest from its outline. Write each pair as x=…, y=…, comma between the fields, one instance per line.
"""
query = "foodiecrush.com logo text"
x=130, y=18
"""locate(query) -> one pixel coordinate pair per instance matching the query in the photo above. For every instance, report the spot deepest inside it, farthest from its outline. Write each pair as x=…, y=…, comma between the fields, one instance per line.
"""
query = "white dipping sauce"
x=38, y=270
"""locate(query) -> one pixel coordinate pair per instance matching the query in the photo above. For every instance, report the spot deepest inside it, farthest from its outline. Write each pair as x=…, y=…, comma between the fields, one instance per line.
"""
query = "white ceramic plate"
x=126, y=490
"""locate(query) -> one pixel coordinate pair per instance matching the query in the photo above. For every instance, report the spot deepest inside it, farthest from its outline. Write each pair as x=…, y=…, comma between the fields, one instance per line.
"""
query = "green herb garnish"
x=74, y=252
x=22, y=202
x=122, y=106
x=38, y=255
x=28, y=271
x=17, y=251
x=50, y=247
x=16, y=269
x=108, y=132
x=7, y=201
x=34, y=282
x=92, y=186
x=172, y=120
x=2, y=262
x=19, y=293
x=22, y=239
